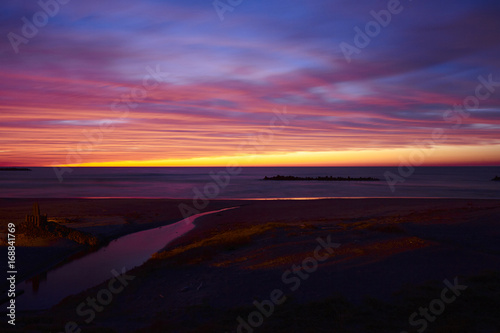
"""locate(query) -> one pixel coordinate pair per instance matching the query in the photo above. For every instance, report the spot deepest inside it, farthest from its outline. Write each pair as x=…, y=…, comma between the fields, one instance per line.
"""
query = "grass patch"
x=229, y=240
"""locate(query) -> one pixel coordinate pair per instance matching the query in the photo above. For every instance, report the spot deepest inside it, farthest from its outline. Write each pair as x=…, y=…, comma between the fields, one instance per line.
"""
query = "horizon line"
x=249, y=166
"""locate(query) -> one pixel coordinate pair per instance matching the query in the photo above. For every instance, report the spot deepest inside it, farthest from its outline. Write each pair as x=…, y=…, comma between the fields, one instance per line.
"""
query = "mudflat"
x=333, y=265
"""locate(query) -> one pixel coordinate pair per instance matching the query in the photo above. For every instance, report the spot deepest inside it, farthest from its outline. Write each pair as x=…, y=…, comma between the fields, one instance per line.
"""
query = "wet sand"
x=392, y=257
x=105, y=218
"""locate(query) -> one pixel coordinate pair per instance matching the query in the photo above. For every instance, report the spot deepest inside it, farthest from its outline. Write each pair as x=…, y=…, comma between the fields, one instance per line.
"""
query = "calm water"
x=452, y=182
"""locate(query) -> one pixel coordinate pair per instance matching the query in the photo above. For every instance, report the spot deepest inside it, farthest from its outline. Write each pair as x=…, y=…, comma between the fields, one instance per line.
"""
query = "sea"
x=248, y=183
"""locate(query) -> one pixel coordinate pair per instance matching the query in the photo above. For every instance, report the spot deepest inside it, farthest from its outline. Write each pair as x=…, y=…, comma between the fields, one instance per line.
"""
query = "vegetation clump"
x=51, y=229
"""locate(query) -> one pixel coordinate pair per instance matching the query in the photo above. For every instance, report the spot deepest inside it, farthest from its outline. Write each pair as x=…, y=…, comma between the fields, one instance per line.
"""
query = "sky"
x=249, y=82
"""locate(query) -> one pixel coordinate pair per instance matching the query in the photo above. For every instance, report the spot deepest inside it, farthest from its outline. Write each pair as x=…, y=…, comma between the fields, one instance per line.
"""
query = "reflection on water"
x=126, y=252
x=35, y=281
x=178, y=182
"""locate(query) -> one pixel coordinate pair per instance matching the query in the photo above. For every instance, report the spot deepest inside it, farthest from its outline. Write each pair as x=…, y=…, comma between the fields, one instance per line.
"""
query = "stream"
x=120, y=255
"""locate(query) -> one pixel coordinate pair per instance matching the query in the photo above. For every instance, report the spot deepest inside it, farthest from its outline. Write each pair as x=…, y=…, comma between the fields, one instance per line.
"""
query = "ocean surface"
x=247, y=183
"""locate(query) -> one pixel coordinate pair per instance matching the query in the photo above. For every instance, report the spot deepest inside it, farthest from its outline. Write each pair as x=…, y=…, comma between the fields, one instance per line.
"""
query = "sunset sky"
x=267, y=85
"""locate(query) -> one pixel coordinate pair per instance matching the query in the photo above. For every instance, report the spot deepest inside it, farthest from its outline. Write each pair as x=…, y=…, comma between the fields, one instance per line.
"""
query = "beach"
x=235, y=166
x=355, y=265
x=106, y=218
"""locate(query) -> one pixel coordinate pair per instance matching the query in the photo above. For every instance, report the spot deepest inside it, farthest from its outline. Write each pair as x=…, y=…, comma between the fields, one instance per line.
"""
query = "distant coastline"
x=496, y=179
x=15, y=169
x=324, y=179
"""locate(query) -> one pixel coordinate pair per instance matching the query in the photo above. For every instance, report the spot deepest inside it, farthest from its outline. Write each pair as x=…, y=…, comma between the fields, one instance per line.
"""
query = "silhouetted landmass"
x=324, y=179
x=15, y=169
x=496, y=179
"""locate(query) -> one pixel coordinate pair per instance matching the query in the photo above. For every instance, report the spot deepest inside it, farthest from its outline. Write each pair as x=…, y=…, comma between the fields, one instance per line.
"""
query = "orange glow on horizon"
x=439, y=156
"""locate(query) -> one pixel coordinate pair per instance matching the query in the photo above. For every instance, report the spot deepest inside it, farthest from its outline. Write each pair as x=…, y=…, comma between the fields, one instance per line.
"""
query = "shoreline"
x=68, y=251
x=387, y=243
x=220, y=199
